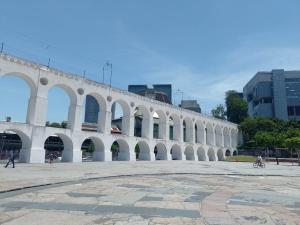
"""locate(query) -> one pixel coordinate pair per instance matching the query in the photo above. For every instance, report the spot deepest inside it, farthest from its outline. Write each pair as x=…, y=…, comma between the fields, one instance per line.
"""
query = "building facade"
x=274, y=94
x=159, y=92
x=190, y=105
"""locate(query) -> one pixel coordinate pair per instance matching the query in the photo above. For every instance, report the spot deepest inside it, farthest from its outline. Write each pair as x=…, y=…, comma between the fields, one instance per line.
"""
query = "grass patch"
x=241, y=158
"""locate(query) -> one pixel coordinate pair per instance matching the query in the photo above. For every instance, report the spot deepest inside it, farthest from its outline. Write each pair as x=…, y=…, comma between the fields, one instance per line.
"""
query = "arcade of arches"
x=147, y=129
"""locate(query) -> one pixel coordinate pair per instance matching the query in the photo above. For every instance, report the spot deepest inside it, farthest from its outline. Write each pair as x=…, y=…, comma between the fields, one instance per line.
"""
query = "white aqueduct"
x=214, y=140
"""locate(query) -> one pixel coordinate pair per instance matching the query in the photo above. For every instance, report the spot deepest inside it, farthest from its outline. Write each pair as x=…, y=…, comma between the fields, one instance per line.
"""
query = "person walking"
x=11, y=159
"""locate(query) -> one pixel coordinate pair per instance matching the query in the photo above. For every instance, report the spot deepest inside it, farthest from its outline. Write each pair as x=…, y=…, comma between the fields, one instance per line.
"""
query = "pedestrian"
x=11, y=159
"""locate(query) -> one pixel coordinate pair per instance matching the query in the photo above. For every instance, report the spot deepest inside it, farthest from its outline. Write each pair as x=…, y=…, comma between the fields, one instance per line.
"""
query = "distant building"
x=274, y=94
x=159, y=92
x=190, y=105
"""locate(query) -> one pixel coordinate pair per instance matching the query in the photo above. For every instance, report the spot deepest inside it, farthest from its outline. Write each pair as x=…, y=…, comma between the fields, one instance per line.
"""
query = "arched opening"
x=234, y=152
x=226, y=137
x=209, y=134
x=227, y=153
x=160, y=152
x=211, y=154
x=16, y=91
x=120, y=150
x=61, y=107
x=141, y=122
x=142, y=151
x=120, y=117
x=234, y=138
x=159, y=125
x=200, y=132
x=187, y=130
x=16, y=141
x=95, y=113
x=176, y=152
x=218, y=135
x=189, y=153
x=220, y=155
x=58, y=147
x=171, y=128
x=175, y=127
x=93, y=149
x=201, y=154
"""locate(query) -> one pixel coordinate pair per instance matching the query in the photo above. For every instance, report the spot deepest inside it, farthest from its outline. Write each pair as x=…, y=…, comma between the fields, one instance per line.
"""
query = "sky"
x=203, y=48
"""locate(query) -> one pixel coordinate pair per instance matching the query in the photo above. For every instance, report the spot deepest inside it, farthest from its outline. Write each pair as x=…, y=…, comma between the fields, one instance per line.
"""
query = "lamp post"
x=3, y=137
x=107, y=66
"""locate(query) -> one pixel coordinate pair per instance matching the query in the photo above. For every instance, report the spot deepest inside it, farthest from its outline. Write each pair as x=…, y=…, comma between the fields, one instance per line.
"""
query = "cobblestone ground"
x=156, y=195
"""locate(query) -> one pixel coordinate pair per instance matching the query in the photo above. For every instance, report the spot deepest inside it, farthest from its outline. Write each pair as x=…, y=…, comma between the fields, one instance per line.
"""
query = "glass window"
x=291, y=110
x=297, y=109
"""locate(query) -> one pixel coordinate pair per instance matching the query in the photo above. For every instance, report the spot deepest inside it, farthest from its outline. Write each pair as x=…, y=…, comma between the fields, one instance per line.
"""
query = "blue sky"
x=201, y=47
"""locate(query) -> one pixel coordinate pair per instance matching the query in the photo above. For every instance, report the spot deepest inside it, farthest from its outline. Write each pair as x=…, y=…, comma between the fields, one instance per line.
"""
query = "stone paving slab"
x=152, y=193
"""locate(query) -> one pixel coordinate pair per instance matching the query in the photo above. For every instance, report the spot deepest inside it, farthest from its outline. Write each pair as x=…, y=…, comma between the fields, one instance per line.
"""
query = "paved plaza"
x=160, y=192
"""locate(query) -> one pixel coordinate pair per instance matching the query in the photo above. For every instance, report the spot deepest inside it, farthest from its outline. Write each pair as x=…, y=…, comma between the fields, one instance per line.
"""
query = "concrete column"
x=152, y=155
x=190, y=134
x=147, y=127
x=37, y=151
x=177, y=131
x=162, y=130
x=167, y=129
x=214, y=137
x=104, y=122
x=37, y=109
x=75, y=116
x=128, y=124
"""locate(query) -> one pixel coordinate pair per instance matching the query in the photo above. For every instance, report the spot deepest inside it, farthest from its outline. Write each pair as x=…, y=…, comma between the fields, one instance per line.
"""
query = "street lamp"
x=106, y=66
x=3, y=137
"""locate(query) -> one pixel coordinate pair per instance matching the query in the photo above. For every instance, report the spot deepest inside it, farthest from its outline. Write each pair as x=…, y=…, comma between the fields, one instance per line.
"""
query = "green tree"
x=55, y=124
x=237, y=107
x=293, y=143
x=64, y=124
x=219, y=112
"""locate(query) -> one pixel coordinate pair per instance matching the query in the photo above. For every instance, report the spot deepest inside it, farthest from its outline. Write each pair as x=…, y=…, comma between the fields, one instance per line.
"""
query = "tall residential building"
x=274, y=94
x=160, y=92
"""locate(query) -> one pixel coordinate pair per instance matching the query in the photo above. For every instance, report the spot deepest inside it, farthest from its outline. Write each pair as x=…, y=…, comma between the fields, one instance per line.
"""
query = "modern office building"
x=160, y=92
x=190, y=105
x=274, y=94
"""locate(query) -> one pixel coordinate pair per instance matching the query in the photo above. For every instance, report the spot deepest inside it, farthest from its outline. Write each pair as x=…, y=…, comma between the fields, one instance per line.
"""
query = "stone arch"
x=220, y=155
x=176, y=152
x=200, y=132
x=28, y=97
x=72, y=103
x=226, y=137
x=187, y=129
x=189, y=153
x=211, y=154
x=95, y=110
x=160, y=152
x=201, y=154
x=125, y=124
x=218, y=135
x=142, y=122
x=99, y=149
x=227, y=152
x=209, y=134
x=25, y=77
x=67, y=151
x=123, y=153
x=144, y=151
x=176, y=127
x=159, y=127
x=24, y=153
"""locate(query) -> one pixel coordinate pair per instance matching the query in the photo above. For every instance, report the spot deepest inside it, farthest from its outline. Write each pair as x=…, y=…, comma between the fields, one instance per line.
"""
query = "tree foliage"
x=219, y=112
x=237, y=107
